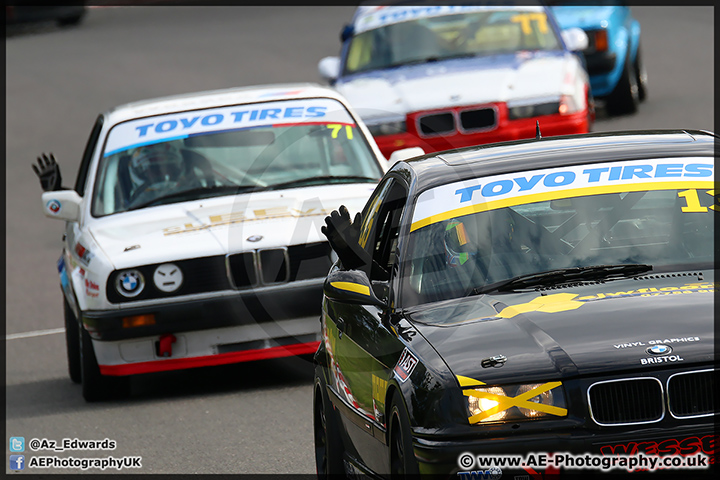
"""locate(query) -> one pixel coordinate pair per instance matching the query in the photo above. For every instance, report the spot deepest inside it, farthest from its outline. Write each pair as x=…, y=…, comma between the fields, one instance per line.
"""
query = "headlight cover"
x=533, y=110
x=511, y=403
x=129, y=283
x=387, y=128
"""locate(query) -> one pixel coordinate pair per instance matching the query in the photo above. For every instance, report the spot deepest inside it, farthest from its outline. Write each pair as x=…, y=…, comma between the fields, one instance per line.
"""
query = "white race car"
x=193, y=231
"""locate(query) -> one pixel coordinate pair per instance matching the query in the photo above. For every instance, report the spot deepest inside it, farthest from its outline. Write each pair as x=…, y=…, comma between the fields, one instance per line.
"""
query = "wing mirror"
x=575, y=39
x=346, y=32
x=62, y=204
x=404, y=154
x=329, y=69
x=352, y=287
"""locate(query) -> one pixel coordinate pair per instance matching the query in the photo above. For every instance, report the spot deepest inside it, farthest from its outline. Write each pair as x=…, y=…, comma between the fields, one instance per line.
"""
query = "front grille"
x=311, y=260
x=274, y=265
x=437, y=124
x=280, y=265
x=691, y=394
x=242, y=269
x=634, y=400
x=478, y=119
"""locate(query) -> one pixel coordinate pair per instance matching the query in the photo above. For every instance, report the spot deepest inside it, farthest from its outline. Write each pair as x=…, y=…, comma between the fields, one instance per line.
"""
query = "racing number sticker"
x=405, y=365
x=336, y=127
x=693, y=201
x=525, y=18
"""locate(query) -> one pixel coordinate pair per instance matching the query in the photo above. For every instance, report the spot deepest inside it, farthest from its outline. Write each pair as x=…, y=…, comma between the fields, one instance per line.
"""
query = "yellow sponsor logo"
x=241, y=217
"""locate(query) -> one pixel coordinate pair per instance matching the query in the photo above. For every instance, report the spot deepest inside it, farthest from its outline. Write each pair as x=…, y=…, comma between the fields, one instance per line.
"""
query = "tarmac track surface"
x=251, y=418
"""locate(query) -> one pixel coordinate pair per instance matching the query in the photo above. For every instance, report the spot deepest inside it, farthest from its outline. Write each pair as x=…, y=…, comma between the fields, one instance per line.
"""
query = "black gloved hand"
x=343, y=236
x=48, y=171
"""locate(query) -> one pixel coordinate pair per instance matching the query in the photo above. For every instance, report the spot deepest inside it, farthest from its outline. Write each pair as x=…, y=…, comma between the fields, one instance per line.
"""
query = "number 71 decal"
x=336, y=127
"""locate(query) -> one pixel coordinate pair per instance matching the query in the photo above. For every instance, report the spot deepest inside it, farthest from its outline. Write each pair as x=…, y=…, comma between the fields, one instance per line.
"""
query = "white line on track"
x=36, y=333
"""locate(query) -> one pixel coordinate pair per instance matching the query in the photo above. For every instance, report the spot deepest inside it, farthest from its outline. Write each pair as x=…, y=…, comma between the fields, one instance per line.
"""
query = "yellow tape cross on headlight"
x=522, y=400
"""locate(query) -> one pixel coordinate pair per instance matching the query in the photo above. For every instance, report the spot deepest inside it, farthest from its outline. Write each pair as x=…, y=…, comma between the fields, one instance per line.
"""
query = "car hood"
x=585, y=17
x=456, y=82
x=573, y=331
x=220, y=225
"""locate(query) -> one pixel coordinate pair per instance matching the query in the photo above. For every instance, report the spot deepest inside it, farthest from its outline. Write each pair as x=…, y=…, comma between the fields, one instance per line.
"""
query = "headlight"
x=570, y=104
x=168, y=277
x=130, y=283
x=533, y=110
x=515, y=402
x=387, y=128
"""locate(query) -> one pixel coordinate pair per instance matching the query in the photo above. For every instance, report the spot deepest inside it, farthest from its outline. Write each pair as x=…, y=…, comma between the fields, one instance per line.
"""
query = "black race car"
x=548, y=301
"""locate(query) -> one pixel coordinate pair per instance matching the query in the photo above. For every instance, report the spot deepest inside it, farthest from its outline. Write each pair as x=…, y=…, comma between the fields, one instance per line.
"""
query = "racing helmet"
x=458, y=245
x=159, y=162
x=478, y=234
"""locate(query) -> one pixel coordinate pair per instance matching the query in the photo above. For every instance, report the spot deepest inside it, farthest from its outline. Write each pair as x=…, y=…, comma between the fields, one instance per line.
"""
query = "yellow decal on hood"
x=240, y=217
x=559, y=302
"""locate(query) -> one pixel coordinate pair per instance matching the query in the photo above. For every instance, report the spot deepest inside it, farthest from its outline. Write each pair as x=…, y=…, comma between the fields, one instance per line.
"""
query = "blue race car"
x=617, y=74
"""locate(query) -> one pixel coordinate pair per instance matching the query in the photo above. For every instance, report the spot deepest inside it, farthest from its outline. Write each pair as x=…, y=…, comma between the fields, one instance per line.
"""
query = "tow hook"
x=164, y=345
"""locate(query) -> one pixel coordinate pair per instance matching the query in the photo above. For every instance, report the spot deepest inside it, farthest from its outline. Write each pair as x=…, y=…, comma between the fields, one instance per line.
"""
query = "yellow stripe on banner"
x=522, y=401
x=352, y=287
x=557, y=195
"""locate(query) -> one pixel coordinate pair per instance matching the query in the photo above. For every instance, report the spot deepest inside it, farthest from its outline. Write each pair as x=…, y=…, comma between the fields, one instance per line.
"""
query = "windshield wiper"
x=200, y=192
x=322, y=179
x=564, y=275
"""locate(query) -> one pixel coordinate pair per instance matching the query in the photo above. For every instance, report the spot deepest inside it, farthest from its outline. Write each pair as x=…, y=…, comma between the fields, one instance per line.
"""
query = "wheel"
x=328, y=444
x=625, y=98
x=402, y=456
x=71, y=21
x=641, y=75
x=95, y=386
x=72, y=342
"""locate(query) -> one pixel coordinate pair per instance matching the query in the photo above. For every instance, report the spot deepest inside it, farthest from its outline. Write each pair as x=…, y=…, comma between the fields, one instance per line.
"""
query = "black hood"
x=574, y=331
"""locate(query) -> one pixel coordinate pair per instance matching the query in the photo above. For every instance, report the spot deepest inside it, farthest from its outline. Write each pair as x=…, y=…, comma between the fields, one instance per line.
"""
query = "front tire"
x=328, y=444
x=95, y=386
x=72, y=342
x=402, y=457
x=625, y=98
x=641, y=74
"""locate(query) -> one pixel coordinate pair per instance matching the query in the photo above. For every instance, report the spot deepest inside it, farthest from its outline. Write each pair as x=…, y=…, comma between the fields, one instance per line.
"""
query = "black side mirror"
x=352, y=287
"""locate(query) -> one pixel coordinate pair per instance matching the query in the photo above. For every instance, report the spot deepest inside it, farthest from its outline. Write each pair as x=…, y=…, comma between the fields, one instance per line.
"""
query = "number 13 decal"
x=693, y=201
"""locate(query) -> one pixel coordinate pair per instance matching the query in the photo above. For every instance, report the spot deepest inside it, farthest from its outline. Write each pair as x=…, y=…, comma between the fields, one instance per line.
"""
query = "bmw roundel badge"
x=130, y=283
x=659, y=349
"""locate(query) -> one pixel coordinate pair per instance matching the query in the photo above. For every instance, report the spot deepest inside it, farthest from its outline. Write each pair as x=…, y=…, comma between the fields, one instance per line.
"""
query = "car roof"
x=368, y=8
x=218, y=98
x=522, y=155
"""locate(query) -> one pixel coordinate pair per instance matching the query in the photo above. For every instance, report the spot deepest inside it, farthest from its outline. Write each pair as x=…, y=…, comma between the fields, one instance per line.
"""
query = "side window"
x=87, y=156
x=380, y=228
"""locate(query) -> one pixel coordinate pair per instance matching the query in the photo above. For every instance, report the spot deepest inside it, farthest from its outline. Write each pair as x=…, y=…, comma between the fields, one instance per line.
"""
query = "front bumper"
x=441, y=458
x=222, y=328
x=208, y=311
x=505, y=130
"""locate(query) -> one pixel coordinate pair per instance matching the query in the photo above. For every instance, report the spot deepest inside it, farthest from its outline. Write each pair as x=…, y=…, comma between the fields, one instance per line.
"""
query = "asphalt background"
x=238, y=419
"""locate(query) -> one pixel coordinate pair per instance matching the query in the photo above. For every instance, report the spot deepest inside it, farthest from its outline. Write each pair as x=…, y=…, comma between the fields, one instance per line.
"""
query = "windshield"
x=432, y=34
x=561, y=219
x=223, y=151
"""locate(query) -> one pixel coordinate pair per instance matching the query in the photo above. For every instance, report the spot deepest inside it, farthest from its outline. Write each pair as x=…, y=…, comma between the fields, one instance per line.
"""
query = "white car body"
x=236, y=321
